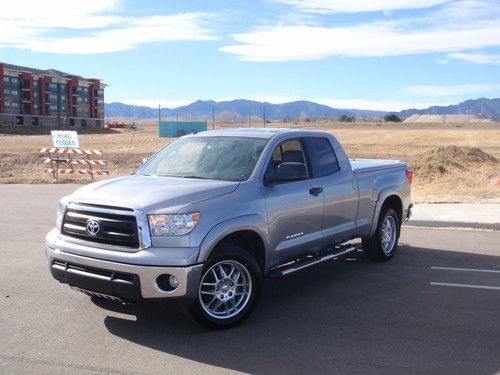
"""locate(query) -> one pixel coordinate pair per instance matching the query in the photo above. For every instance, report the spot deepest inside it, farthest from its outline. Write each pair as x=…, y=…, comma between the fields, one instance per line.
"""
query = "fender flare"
x=252, y=222
x=382, y=196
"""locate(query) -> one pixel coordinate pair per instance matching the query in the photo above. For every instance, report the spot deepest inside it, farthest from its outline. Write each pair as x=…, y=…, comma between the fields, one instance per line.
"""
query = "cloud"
x=455, y=27
x=91, y=27
x=358, y=6
x=476, y=58
x=452, y=90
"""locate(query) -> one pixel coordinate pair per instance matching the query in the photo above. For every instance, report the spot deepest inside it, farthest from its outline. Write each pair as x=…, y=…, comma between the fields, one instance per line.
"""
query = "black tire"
x=227, y=254
x=373, y=247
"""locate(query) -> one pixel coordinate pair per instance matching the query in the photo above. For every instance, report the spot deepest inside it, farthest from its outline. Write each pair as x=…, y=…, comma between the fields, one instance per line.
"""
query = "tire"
x=383, y=244
x=236, y=285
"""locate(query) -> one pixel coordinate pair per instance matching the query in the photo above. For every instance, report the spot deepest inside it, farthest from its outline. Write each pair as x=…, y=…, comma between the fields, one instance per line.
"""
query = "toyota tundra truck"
x=209, y=215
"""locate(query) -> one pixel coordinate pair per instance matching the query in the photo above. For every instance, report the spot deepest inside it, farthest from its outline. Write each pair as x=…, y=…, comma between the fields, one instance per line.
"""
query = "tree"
x=392, y=118
x=345, y=118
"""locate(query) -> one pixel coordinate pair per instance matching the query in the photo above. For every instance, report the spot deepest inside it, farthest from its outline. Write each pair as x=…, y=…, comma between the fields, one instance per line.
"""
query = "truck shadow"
x=333, y=317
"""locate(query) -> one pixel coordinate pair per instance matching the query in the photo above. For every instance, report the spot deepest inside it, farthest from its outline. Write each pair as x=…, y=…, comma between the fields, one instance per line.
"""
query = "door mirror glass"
x=289, y=171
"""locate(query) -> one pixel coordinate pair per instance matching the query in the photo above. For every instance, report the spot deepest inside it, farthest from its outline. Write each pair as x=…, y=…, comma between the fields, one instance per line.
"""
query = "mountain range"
x=240, y=109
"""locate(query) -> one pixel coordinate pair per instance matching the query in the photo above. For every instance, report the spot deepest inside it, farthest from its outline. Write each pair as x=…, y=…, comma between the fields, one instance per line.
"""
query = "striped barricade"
x=80, y=151
x=49, y=155
x=76, y=171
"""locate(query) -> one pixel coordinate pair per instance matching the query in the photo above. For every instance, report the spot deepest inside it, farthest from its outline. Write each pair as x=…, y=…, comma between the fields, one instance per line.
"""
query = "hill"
x=240, y=109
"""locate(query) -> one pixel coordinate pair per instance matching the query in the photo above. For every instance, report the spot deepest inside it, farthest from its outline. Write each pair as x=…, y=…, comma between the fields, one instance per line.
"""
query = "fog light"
x=167, y=283
x=174, y=283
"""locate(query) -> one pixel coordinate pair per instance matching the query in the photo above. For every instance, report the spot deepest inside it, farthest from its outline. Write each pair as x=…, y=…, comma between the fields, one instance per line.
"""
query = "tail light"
x=409, y=175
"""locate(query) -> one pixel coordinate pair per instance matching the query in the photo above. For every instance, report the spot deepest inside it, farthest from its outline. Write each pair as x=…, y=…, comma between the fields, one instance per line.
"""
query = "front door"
x=295, y=209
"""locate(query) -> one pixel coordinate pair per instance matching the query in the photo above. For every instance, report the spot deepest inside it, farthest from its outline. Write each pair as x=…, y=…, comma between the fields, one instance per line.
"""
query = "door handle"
x=315, y=191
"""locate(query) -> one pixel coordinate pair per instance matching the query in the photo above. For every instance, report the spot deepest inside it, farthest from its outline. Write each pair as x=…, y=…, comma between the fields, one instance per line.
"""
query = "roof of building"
x=42, y=72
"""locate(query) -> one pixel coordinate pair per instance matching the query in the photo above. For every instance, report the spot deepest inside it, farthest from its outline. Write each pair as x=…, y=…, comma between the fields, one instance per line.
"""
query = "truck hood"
x=154, y=194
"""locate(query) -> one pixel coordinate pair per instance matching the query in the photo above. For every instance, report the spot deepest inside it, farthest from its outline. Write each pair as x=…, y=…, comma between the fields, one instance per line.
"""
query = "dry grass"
x=452, y=163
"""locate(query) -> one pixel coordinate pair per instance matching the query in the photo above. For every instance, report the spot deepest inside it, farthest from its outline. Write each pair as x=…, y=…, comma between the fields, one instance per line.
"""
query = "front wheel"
x=383, y=244
x=229, y=288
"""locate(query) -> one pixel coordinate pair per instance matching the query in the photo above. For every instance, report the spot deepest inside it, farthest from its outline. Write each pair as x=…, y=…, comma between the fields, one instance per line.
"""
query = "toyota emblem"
x=93, y=227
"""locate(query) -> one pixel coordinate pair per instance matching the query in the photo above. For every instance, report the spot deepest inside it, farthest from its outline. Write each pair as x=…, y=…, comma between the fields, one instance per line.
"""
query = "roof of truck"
x=265, y=133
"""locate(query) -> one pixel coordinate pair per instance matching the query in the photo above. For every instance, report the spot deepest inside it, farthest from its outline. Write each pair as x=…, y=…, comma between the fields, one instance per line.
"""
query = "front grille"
x=115, y=229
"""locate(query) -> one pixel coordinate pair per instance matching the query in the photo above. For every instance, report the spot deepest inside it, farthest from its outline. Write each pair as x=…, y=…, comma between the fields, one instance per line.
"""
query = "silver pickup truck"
x=209, y=215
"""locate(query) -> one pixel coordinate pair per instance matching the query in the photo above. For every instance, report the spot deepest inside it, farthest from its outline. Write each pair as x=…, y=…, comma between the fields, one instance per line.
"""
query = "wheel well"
x=394, y=202
x=250, y=241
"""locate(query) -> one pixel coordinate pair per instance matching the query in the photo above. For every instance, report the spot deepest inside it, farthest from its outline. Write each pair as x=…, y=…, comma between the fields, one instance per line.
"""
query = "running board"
x=284, y=270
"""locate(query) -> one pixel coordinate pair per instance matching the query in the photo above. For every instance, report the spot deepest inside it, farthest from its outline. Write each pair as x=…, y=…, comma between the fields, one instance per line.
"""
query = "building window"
x=97, y=123
x=72, y=122
x=83, y=123
x=19, y=120
x=6, y=91
x=6, y=79
x=34, y=121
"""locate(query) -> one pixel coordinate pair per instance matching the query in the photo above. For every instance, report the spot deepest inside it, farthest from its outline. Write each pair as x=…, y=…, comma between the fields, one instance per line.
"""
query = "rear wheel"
x=229, y=288
x=383, y=244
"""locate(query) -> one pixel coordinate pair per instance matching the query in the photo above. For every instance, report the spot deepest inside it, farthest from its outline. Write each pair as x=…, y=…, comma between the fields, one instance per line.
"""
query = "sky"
x=365, y=54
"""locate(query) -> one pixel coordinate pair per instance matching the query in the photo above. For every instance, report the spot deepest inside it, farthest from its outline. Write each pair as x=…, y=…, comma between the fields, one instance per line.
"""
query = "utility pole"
x=264, y=112
x=213, y=118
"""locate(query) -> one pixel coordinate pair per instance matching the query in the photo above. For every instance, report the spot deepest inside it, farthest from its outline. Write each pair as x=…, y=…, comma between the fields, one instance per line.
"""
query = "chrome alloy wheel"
x=388, y=233
x=225, y=289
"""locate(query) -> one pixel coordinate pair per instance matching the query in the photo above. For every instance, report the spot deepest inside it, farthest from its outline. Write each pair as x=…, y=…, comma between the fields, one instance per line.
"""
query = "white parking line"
x=464, y=269
x=467, y=286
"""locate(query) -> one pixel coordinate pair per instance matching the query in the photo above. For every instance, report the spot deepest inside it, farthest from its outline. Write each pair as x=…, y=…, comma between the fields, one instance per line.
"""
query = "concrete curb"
x=451, y=224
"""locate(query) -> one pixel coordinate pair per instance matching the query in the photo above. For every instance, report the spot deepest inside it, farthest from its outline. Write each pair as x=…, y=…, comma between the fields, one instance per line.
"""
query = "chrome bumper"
x=188, y=277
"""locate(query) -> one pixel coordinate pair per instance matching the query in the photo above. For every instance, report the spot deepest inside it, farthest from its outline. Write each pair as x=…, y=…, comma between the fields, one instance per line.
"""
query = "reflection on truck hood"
x=152, y=193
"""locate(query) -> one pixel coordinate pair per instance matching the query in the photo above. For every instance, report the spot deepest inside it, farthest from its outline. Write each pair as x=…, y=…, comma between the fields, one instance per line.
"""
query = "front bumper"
x=125, y=281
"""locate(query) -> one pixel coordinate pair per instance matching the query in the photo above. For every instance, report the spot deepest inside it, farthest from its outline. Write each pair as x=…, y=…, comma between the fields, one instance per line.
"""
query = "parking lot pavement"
x=433, y=309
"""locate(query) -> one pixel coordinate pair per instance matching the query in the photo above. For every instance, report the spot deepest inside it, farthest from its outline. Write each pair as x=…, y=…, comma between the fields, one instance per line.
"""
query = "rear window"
x=325, y=157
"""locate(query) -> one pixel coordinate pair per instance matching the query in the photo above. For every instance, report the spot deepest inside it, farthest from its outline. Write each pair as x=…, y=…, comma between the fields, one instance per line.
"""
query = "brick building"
x=34, y=97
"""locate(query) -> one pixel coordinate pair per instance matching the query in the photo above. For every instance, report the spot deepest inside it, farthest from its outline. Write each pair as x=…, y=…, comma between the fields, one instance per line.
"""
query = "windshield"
x=214, y=158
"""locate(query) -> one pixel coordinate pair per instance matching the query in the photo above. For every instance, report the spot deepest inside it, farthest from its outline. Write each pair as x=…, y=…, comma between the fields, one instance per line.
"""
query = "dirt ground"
x=452, y=162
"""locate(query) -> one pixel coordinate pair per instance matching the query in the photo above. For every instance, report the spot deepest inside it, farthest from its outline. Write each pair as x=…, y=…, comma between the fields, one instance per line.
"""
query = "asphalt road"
x=349, y=316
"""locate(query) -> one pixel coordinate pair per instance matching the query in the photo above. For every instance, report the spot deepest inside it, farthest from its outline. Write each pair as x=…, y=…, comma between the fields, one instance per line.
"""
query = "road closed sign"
x=65, y=138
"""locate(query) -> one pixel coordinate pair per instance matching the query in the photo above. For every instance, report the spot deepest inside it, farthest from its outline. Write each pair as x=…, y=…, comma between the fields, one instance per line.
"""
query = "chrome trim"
x=143, y=231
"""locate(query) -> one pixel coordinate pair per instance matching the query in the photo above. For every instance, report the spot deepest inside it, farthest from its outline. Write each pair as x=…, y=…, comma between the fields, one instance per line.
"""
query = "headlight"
x=172, y=225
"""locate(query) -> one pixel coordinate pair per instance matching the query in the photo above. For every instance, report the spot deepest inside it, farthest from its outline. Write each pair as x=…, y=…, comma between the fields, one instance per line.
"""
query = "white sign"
x=65, y=138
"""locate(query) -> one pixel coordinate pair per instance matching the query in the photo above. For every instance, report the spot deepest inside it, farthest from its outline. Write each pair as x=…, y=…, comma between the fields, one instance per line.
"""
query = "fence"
x=55, y=157
x=178, y=129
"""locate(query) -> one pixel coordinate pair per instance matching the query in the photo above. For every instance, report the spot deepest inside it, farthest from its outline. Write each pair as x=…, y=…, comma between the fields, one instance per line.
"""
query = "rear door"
x=295, y=209
x=339, y=190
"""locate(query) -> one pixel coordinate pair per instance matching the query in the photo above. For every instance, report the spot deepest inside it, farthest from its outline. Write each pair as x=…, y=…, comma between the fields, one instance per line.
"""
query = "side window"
x=325, y=156
x=288, y=151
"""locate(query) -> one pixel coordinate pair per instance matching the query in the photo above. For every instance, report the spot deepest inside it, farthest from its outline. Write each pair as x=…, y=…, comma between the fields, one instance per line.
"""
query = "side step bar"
x=287, y=269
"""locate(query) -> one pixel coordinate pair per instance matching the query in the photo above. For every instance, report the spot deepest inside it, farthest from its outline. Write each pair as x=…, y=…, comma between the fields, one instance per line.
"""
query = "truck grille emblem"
x=93, y=227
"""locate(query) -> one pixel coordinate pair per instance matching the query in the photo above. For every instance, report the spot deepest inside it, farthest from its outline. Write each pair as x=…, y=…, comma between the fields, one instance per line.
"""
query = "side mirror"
x=144, y=160
x=289, y=171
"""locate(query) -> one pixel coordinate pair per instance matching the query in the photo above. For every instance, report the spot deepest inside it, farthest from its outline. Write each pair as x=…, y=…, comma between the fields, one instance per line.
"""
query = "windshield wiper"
x=193, y=176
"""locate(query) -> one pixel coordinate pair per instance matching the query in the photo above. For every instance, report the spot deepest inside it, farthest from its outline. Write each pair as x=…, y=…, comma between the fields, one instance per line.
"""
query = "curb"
x=452, y=224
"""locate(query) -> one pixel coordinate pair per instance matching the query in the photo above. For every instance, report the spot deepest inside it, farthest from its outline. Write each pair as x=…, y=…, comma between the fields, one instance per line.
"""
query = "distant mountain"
x=482, y=106
x=240, y=109
x=237, y=109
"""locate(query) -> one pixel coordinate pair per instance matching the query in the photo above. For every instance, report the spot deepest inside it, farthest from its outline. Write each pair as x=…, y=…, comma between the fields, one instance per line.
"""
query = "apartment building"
x=51, y=98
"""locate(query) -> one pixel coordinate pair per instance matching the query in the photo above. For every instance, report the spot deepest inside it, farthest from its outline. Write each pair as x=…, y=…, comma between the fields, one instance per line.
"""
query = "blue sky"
x=372, y=54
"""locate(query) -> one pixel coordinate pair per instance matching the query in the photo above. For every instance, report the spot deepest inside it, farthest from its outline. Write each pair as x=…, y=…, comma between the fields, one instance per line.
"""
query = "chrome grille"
x=114, y=228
